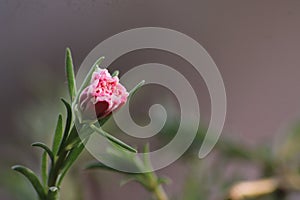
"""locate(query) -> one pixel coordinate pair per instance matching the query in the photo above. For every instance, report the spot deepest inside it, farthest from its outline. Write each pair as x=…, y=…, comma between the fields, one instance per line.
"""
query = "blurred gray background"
x=255, y=45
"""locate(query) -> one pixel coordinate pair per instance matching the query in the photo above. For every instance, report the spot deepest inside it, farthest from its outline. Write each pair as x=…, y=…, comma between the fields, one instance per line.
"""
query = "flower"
x=103, y=95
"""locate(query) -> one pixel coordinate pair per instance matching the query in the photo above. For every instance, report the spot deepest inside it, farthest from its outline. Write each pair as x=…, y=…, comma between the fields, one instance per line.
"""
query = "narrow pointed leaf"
x=99, y=165
x=73, y=135
x=88, y=77
x=116, y=73
x=136, y=88
x=128, y=180
x=58, y=135
x=70, y=74
x=43, y=146
x=73, y=155
x=67, y=126
x=44, y=168
x=113, y=139
x=163, y=180
x=33, y=180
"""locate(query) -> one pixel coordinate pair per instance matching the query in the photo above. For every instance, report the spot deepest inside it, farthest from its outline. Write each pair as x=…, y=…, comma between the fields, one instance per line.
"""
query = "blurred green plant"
x=143, y=172
x=278, y=167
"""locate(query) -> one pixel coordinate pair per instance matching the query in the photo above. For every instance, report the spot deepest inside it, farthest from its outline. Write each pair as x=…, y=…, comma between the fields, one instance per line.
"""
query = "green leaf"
x=43, y=146
x=44, y=168
x=67, y=126
x=73, y=135
x=116, y=73
x=135, y=89
x=113, y=139
x=73, y=155
x=33, y=180
x=99, y=165
x=127, y=180
x=70, y=74
x=58, y=135
x=164, y=180
x=88, y=77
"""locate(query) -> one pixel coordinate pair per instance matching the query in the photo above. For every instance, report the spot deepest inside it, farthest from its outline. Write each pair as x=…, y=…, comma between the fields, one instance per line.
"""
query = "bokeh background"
x=255, y=45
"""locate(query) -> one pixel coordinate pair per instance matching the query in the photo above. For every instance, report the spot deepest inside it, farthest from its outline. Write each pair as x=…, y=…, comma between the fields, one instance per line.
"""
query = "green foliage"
x=112, y=138
x=140, y=169
x=116, y=73
x=67, y=126
x=30, y=175
x=69, y=161
x=47, y=149
x=136, y=88
x=100, y=165
x=58, y=135
x=70, y=74
x=44, y=168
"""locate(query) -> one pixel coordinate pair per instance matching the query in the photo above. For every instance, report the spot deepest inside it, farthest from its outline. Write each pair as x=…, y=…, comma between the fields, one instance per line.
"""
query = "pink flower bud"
x=104, y=95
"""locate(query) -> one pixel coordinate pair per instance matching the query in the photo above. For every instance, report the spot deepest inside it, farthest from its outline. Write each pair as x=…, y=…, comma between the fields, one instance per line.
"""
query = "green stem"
x=155, y=186
x=58, y=165
x=54, y=172
x=53, y=193
x=160, y=193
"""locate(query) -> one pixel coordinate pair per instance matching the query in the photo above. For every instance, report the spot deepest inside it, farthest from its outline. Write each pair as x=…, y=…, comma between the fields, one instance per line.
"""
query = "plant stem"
x=59, y=164
x=53, y=193
x=160, y=193
x=155, y=187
